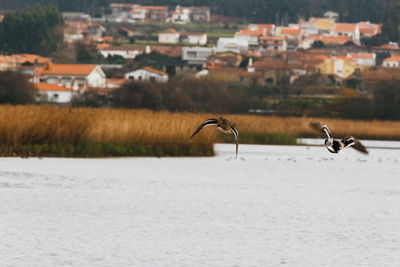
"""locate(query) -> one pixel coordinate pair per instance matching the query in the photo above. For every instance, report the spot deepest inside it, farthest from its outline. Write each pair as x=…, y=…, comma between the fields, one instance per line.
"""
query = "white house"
x=391, y=62
x=115, y=83
x=169, y=36
x=363, y=59
x=147, y=74
x=232, y=44
x=71, y=75
x=56, y=93
x=194, y=38
x=197, y=55
x=181, y=15
x=348, y=29
x=123, y=51
x=252, y=37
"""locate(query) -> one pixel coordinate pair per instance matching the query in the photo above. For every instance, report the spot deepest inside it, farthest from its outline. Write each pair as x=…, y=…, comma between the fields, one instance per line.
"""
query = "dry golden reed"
x=21, y=125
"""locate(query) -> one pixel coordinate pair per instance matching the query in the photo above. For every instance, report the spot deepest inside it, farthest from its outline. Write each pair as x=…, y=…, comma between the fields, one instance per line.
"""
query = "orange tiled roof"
x=290, y=31
x=155, y=71
x=31, y=58
x=387, y=47
x=117, y=81
x=170, y=30
x=53, y=87
x=272, y=38
x=69, y=69
x=364, y=55
x=331, y=39
x=345, y=27
x=393, y=58
x=249, y=32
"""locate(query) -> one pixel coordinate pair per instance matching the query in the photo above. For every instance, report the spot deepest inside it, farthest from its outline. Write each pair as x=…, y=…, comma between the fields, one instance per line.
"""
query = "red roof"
x=393, y=58
x=364, y=55
x=290, y=31
x=155, y=71
x=117, y=81
x=69, y=69
x=272, y=38
x=331, y=39
x=249, y=32
x=345, y=27
x=170, y=30
x=387, y=47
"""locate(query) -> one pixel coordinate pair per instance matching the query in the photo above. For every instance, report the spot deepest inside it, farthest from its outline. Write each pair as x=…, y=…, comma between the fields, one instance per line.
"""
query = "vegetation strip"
x=43, y=130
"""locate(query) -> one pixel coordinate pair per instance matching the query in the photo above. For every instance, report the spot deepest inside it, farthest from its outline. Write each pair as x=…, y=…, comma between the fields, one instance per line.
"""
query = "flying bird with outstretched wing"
x=335, y=146
x=223, y=125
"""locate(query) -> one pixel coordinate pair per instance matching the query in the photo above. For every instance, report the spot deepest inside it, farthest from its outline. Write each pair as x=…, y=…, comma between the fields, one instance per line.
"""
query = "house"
x=115, y=83
x=127, y=32
x=232, y=44
x=273, y=43
x=227, y=59
x=56, y=93
x=331, y=14
x=7, y=63
x=122, y=13
x=169, y=36
x=363, y=59
x=147, y=74
x=75, y=31
x=182, y=15
x=252, y=37
x=197, y=55
x=237, y=75
x=137, y=13
x=339, y=66
x=156, y=13
x=266, y=29
x=76, y=16
x=127, y=52
x=193, y=38
x=71, y=75
x=289, y=33
x=95, y=32
x=201, y=13
x=330, y=40
x=348, y=29
x=325, y=26
x=368, y=29
x=391, y=62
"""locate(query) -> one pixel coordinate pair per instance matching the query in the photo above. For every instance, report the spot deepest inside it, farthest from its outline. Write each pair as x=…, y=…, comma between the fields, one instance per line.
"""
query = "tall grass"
x=59, y=131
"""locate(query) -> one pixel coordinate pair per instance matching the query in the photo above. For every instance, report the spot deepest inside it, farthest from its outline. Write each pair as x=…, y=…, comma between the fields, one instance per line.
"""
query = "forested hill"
x=268, y=11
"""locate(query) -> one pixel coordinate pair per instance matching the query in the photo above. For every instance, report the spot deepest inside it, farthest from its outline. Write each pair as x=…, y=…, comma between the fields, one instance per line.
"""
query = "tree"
x=36, y=30
x=15, y=89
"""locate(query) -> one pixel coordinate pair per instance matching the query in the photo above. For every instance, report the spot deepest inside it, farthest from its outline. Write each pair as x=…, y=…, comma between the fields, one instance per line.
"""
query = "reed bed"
x=60, y=131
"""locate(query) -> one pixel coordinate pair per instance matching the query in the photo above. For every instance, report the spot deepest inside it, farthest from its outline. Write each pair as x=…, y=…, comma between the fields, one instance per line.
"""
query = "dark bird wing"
x=208, y=122
x=359, y=147
x=236, y=134
x=318, y=126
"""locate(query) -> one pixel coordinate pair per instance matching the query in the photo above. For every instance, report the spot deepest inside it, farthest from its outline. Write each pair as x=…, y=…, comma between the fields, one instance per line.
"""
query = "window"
x=152, y=78
x=41, y=80
x=55, y=95
x=131, y=77
x=191, y=54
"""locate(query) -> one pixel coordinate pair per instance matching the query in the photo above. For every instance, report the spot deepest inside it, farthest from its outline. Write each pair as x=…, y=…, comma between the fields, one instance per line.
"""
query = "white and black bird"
x=223, y=125
x=335, y=146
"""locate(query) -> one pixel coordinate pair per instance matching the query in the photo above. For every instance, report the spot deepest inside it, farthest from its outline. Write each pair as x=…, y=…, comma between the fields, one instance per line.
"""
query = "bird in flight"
x=223, y=125
x=335, y=146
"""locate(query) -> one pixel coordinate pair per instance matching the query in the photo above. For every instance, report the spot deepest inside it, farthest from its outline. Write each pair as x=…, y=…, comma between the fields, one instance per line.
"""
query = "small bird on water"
x=223, y=125
x=335, y=146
